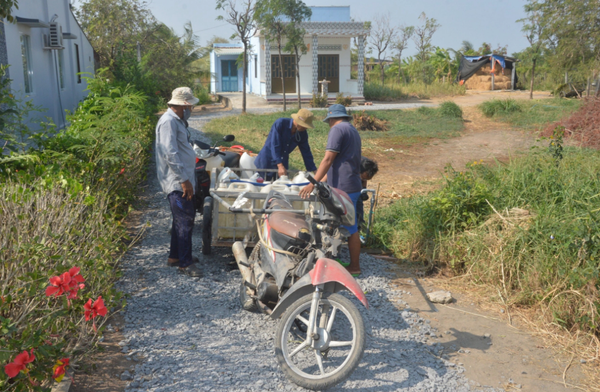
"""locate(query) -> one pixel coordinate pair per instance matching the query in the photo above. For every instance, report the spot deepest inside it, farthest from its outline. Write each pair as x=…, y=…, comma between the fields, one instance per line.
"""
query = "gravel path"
x=187, y=334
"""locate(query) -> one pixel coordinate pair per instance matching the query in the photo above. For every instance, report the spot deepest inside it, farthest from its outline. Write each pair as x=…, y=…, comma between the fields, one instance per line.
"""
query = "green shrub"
x=318, y=101
x=202, y=94
x=343, y=100
x=61, y=208
x=495, y=107
x=377, y=92
x=450, y=109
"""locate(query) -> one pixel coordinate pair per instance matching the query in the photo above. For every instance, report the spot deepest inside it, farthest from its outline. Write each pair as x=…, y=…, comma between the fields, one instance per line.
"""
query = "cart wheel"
x=207, y=210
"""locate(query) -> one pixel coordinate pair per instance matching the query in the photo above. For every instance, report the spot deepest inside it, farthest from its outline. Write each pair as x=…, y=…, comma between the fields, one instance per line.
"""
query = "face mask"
x=187, y=113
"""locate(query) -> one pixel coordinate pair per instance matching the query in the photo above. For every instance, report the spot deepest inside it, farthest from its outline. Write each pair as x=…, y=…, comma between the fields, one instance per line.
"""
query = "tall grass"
x=530, y=230
x=529, y=114
x=393, y=92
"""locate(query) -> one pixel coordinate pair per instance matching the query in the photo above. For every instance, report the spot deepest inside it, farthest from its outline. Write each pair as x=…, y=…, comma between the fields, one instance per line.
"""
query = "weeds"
x=495, y=107
x=529, y=229
x=450, y=109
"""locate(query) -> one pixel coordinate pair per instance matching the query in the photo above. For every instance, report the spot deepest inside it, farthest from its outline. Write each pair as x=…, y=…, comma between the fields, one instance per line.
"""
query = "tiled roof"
x=344, y=29
x=226, y=51
x=335, y=28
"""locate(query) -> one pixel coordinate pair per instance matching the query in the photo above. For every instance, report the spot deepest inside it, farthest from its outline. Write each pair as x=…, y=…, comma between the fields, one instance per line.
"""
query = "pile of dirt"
x=365, y=122
x=482, y=80
x=582, y=126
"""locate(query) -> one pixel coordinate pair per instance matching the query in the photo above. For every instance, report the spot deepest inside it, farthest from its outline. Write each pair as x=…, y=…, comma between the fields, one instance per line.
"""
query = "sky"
x=475, y=21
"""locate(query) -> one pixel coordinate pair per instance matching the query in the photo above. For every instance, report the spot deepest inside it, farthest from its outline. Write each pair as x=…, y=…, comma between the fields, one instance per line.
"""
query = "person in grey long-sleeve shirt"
x=175, y=168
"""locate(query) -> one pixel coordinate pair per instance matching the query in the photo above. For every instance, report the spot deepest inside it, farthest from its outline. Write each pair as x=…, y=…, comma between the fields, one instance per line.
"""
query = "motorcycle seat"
x=290, y=224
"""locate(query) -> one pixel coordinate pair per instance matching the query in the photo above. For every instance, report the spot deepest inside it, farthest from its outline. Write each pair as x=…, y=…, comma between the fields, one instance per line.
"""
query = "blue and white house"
x=46, y=50
x=329, y=35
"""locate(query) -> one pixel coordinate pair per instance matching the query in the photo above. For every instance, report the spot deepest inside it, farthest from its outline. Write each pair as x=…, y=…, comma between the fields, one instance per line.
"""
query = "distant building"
x=46, y=50
x=328, y=38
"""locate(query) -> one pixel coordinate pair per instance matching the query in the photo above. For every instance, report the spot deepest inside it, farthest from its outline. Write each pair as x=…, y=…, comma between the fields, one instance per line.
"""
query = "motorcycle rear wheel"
x=332, y=358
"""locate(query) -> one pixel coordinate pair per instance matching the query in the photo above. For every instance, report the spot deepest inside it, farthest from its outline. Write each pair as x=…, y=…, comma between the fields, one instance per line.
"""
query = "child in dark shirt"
x=368, y=169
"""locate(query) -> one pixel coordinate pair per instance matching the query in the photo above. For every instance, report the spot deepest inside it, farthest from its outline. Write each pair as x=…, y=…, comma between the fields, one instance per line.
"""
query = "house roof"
x=350, y=29
x=225, y=49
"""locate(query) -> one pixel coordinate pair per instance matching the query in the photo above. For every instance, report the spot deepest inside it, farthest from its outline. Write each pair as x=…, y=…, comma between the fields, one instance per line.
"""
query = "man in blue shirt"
x=285, y=135
x=341, y=165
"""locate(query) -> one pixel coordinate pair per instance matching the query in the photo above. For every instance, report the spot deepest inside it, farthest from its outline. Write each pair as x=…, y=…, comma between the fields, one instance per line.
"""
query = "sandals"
x=191, y=270
x=175, y=262
x=342, y=263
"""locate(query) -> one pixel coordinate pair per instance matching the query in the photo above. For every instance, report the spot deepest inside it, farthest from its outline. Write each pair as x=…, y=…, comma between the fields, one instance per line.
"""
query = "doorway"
x=229, y=76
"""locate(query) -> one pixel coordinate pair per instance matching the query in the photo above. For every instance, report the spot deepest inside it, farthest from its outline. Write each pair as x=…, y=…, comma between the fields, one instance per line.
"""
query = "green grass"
x=390, y=91
x=548, y=256
x=529, y=114
x=406, y=127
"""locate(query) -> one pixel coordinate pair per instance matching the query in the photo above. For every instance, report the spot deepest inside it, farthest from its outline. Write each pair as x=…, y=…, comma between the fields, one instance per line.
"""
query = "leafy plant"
x=495, y=107
x=318, y=101
x=450, y=109
x=343, y=100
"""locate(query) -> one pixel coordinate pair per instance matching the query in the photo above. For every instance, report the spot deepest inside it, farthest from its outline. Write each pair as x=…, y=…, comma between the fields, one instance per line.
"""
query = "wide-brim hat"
x=304, y=118
x=183, y=96
x=337, y=111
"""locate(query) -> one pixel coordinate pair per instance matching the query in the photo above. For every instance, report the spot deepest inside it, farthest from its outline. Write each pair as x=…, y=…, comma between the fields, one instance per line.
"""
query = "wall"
x=47, y=92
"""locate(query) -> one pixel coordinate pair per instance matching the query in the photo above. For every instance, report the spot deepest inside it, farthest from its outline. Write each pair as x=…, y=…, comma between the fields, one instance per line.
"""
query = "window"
x=255, y=68
x=61, y=68
x=78, y=64
x=26, y=56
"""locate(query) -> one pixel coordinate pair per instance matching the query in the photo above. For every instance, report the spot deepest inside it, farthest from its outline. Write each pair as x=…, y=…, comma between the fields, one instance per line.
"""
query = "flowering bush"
x=61, y=234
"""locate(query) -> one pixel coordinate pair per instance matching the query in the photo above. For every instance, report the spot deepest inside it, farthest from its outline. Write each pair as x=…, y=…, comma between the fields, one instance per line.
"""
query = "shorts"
x=354, y=228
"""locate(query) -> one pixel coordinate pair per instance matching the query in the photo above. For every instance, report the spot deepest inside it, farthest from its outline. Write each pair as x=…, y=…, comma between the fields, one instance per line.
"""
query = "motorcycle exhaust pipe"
x=239, y=252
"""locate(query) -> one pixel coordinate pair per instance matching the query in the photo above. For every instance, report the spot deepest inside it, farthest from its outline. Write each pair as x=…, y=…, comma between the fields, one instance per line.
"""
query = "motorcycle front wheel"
x=334, y=353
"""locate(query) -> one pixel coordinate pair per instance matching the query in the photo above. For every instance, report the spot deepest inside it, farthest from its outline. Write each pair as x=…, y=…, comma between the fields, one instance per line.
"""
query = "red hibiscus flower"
x=58, y=371
x=69, y=282
x=20, y=363
x=94, y=310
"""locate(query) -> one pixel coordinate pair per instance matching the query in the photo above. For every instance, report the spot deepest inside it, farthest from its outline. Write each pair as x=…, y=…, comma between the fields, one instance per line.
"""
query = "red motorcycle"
x=291, y=275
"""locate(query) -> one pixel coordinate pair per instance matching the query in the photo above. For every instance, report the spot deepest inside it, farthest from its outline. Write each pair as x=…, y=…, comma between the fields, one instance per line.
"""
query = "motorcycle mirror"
x=228, y=138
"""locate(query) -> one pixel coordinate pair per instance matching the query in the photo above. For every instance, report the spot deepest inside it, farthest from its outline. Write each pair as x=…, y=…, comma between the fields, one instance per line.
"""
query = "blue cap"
x=337, y=111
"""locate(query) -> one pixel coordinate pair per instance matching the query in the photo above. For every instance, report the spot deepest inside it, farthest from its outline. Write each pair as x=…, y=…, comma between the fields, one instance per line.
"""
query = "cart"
x=222, y=224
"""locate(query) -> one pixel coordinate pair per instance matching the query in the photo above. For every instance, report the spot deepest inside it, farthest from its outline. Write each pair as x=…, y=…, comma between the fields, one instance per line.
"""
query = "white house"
x=329, y=35
x=46, y=50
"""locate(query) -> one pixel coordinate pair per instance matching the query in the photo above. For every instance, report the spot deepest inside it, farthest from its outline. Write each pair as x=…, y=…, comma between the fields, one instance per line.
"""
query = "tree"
x=5, y=9
x=404, y=34
x=572, y=30
x=382, y=36
x=422, y=37
x=297, y=12
x=535, y=34
x=243, y=19
x=114, y=27
x=270, y=17
x=168, y=59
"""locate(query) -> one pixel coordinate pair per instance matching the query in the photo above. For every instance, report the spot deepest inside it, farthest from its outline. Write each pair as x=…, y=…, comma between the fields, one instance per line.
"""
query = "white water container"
x=300, y=178
x=213, y=162
x=247, y=162
x=266, y=188
x=241, y=187
x=227, y=175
